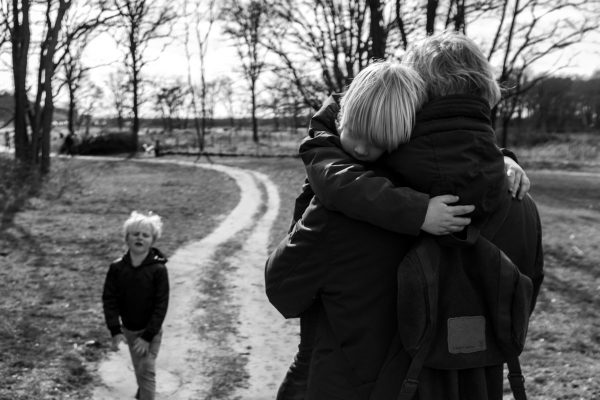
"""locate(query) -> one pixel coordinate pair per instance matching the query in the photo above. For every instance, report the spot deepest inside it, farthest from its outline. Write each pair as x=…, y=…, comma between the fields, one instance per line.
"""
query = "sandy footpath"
x=266, y=341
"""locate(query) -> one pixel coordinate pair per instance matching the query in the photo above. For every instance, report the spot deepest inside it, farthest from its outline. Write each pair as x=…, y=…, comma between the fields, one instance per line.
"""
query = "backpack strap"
x=428, y=251
x=515, y=378
x=411, y=382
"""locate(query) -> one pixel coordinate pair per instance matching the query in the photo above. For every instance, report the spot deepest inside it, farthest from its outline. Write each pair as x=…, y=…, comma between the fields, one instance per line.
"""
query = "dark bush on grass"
x=107, y=143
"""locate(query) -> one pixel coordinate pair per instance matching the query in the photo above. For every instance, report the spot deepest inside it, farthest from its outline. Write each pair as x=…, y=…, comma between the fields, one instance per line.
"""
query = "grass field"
x=55, y=255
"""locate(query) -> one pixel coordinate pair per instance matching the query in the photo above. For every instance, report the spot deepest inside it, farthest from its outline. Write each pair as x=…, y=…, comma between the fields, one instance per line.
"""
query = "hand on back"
x=518, y=182
x=442, y=218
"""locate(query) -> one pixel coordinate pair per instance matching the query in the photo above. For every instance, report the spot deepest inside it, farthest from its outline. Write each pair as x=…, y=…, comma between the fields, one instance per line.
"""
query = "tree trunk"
x=432, y=6
x=377, y=30
x=136, y=118
x=459, y=18
x=400, y=23
x=71, y=111
x=254, y=122
x=21, y=135
x=20, y=40
x=203, y=110
x=47, y=67
x=46, y=129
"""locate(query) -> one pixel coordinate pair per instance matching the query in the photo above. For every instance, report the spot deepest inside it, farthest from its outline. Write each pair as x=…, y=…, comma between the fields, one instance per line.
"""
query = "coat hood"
x=154, y=256
x=324, y=119
x=453, y=151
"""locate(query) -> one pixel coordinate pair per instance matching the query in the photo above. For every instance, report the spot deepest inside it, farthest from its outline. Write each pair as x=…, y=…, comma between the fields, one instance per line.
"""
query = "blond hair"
x=451, y=63
x=381, y=104
x=150, y=219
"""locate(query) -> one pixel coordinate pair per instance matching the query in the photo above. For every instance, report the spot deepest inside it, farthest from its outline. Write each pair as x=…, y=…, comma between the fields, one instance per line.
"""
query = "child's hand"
x=442, y=219
x=118, y=338
x=518, y=182
x=140, y=346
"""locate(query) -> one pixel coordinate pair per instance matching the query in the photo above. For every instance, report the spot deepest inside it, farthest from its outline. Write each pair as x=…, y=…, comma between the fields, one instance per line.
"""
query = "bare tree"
x=80, y=25
x=528, y=31
x=334, y=34
x=169, y=100
x=246, y=24
x=88, y=96
x=144, y=21
x=17, y=24
x=323, y=44
x=201, y=17
x=32, y=145
x=118, y=85
x=225, y=96
x=285, y=101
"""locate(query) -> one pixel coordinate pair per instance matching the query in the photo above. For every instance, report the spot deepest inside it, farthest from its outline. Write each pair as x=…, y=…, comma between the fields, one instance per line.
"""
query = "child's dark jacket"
x=349, y=264
x=137, y=296
x=320, y=153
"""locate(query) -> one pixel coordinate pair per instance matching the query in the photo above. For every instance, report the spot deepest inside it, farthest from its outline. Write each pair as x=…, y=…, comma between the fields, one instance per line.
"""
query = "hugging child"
x=136, y=296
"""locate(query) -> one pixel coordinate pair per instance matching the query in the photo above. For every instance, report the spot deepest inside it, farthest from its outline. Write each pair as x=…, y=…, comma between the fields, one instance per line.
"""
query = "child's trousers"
x=144, y=365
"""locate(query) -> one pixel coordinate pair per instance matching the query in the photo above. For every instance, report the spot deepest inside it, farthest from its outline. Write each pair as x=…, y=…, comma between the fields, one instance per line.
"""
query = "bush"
x=106, y=143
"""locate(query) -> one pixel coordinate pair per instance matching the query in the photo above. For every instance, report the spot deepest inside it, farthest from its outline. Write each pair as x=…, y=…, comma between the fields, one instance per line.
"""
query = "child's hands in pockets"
x=140, y=346
x=518, y=182
x=118, y=338
x=442, y=218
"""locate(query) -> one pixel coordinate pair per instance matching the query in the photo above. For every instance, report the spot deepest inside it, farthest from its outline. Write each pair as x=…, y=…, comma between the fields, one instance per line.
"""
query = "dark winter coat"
x=351, y=267
x=349, y=264
x=137, y=296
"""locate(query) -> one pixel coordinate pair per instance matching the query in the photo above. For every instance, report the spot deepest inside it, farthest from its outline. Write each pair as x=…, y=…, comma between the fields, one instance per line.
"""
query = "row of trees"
x=559, y=105
x=301, y=48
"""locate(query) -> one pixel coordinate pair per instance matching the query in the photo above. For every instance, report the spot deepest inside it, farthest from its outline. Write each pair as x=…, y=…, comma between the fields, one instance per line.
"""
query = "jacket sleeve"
x=161, y=303
x=509, y=153
x=295, y=270
x=110, y=302
x=342, y=184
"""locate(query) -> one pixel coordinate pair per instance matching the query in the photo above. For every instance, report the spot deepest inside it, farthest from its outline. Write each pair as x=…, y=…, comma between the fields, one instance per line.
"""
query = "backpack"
x=462, y=303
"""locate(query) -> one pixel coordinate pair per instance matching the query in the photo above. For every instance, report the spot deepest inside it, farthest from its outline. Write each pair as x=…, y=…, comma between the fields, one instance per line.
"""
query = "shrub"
x=107, y=143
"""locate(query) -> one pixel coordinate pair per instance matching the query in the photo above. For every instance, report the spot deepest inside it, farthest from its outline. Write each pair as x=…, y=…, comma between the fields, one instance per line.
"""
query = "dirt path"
x=254, y=348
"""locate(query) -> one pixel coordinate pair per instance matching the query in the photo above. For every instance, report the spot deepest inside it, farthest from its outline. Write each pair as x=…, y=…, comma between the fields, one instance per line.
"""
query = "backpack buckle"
x=516, y=379
x=409, y=386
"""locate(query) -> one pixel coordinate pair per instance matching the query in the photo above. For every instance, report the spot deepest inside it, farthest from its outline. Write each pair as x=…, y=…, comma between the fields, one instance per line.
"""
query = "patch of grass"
x=56, y=253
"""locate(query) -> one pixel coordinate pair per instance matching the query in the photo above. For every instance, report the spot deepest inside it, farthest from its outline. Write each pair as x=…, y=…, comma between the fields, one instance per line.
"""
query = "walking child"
x=136, y=296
